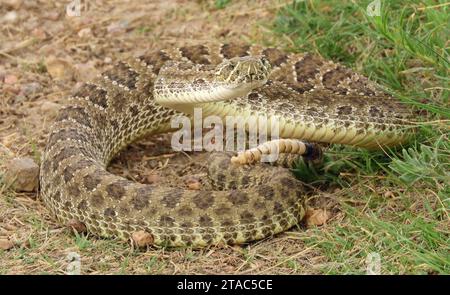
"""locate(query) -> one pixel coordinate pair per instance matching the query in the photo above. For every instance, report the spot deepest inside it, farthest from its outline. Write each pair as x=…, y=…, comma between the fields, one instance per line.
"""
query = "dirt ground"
x=35, y=33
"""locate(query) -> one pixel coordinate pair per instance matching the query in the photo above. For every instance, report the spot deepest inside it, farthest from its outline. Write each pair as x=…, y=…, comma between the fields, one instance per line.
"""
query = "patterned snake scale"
x=317, y=101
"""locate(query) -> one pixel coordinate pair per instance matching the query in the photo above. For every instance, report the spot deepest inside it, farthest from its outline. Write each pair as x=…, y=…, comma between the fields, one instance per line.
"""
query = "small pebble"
x=142, y=239
x=117, y=27
x=6, y=244
x=10, y=17
x=49, y=109
x=51, y=15
x=59, y=68
x=153, y=178
x=39, y=33
x=11, y=79
x=30, y=89
x=86, y=32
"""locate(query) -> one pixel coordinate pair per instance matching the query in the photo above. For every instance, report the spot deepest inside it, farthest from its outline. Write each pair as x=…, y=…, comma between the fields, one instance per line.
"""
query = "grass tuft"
x=395, y=203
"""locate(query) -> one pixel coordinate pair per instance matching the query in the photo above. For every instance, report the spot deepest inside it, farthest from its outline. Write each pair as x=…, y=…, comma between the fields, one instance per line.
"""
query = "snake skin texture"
x=316, y=100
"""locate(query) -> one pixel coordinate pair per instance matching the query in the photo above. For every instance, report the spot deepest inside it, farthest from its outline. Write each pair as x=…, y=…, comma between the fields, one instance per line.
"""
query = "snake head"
x=247, y=71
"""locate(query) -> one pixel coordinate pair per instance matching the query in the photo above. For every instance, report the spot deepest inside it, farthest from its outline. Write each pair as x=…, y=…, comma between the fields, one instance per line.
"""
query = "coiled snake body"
x=313, y=99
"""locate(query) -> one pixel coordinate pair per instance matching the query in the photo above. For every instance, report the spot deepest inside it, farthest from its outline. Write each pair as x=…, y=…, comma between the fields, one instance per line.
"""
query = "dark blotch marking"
x=76, y=113
x=278, y=208
x=97, y=199
x=187, y=240
x=258, y=205
x=155, y=59
x=91, y=180
x=123, y=74
x=57, y=196
x=109, y=212
x=275, y=56
x=253, y=96
x=361, y=87
x=344, y=110
x=224, y=164
x=134, y=110
x=67, y=205
x=172, y=198
x=227, y=222
x=307, y=68
x=238, y=197
x=375, y=111
x=301, y=88
x=116, y=189
x=266, y=231
x=208, y=238
x=82, y=205
x=312, y=111
x=123, y=210
x=70, y=171
x=96, y=95
x=65, y=153
x=65, y=134
x=223, y=210
x=266, y=192
x=205, y=221
x=114, y=124
x=247, y=217
x=245, y=180
x=141, y=199
x=187, y=225
x=288, y=182
x=265, y=218
x=73, y=190
x=185, y=211
x=333, y=78
x=203, y=200
x=234, y=50
x=166, y=220
x=199, y=82
x=196, y=54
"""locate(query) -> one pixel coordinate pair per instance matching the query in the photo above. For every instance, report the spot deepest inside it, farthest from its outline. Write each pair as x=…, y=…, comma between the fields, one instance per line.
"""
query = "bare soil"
x=35, y=32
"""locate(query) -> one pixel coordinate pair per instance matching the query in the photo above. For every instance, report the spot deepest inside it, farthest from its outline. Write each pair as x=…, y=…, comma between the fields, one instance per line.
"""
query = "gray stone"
x=22, y=174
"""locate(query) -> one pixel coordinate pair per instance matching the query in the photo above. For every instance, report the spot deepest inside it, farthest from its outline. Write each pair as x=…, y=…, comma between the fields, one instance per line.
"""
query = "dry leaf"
x=316, y=217
x=78, y=226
